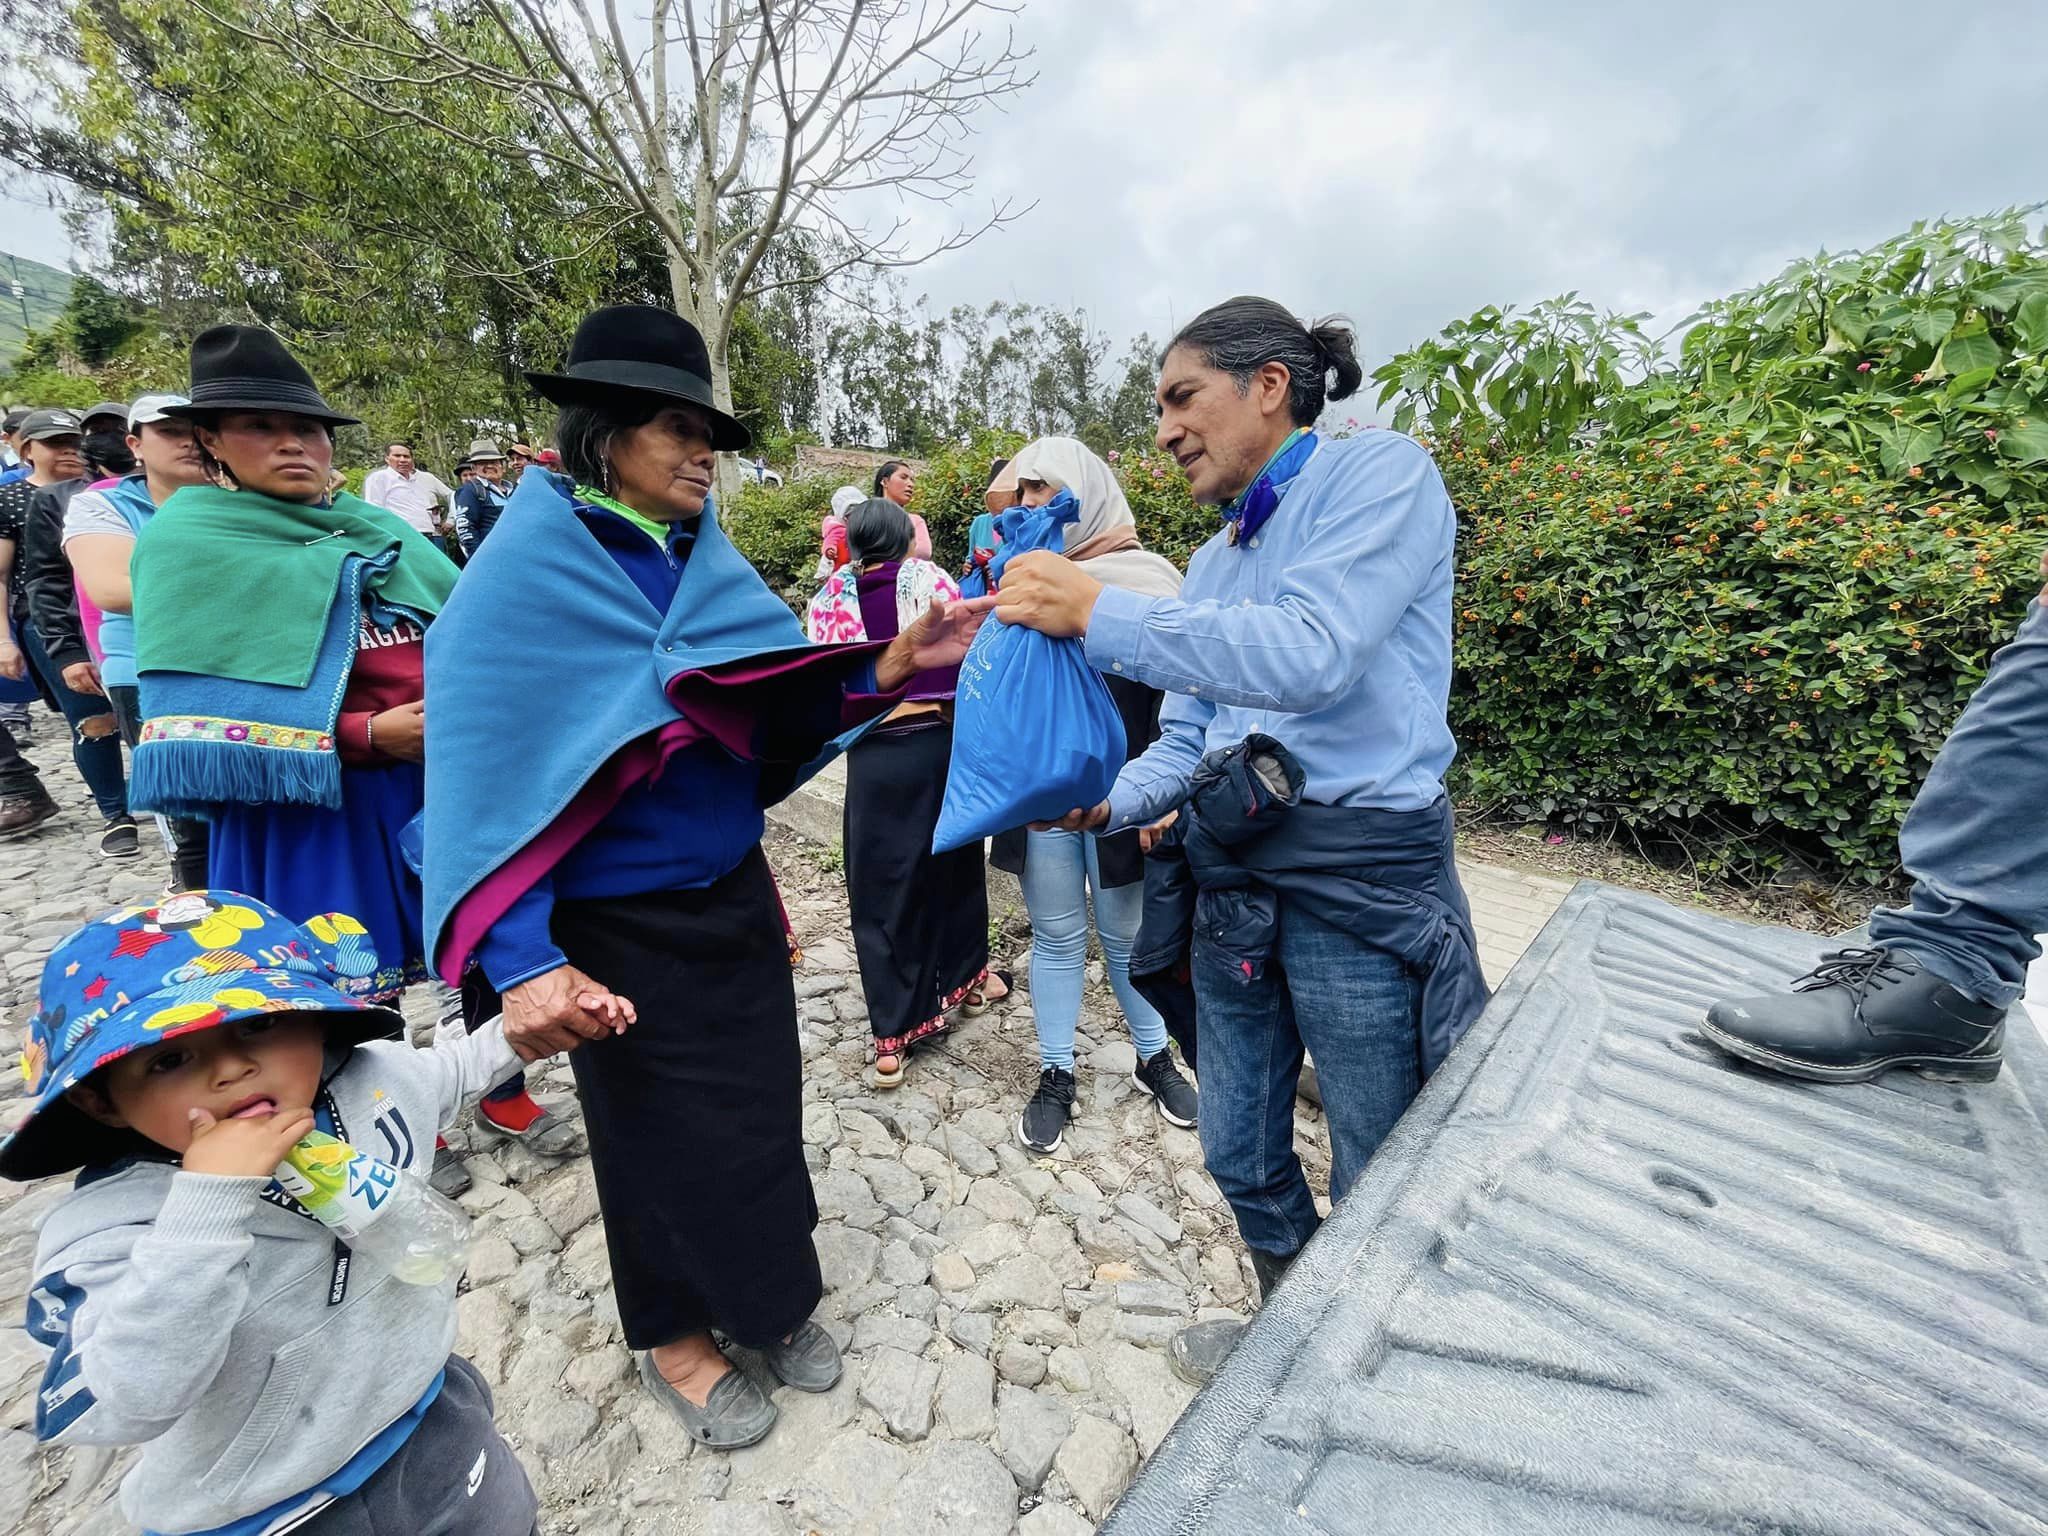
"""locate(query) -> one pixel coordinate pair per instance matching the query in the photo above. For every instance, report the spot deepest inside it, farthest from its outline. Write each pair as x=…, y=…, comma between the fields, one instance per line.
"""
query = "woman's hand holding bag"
x=1035, y=731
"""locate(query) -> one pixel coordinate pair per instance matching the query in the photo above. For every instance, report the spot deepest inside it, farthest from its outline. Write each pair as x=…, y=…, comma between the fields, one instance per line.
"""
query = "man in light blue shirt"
x=1320, y=616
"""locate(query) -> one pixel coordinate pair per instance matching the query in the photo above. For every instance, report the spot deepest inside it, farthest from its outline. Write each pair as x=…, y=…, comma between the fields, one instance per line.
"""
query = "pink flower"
x=1863, y=367
x=1115, y=457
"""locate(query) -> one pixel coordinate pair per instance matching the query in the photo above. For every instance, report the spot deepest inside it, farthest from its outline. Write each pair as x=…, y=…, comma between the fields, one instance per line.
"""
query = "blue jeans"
x=1060, y=870
x=1357, y=1009
x=1976, y=839
x=98, y=756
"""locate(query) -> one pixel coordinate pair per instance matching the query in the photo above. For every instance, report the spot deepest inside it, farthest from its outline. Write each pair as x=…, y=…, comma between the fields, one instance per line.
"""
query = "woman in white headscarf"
x=1058, y=869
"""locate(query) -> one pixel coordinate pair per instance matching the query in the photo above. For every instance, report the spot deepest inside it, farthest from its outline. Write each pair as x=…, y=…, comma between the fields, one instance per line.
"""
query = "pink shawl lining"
x=723, y=704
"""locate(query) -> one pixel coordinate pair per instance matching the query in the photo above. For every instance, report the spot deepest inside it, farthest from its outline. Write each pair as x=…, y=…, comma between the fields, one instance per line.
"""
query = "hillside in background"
x=42, y=291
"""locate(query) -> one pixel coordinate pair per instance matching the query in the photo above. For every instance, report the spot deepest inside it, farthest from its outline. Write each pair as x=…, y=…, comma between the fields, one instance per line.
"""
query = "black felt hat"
x=246, y=368
x=638, y=349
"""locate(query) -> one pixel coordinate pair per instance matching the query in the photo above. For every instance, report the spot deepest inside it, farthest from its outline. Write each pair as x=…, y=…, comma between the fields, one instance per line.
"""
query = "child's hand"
x=244, y=1149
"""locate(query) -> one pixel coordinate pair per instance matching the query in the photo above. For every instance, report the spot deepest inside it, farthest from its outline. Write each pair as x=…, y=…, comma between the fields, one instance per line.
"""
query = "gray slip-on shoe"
x=809, y=1361
x=736, y=1414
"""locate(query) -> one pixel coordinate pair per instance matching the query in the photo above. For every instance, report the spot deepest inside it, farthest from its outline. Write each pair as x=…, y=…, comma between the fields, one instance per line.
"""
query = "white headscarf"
x=845, y=498
x=1105, y=537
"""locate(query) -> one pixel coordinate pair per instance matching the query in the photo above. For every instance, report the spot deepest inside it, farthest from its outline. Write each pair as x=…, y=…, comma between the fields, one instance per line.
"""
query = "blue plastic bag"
x=1035, y=732
x=978, y=582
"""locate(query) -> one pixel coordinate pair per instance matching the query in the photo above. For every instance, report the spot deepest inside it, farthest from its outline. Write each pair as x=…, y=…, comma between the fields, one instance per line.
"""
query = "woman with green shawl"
x=278, y=642
x=278, y=638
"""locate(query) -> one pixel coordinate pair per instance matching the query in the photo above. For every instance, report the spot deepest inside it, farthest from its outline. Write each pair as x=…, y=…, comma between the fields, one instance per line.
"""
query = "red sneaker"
x=524, y=1120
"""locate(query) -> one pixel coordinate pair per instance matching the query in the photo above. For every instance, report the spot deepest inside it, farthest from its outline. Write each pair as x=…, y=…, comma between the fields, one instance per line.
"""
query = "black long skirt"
x=695, y=1113
x=920, y=919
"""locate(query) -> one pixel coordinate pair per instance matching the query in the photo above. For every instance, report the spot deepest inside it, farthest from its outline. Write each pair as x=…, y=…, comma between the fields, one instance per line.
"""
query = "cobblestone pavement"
x=1004, y=1316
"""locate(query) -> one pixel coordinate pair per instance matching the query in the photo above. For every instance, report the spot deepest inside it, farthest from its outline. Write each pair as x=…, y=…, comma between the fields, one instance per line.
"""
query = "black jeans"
x=97, y=756
x=187, y=838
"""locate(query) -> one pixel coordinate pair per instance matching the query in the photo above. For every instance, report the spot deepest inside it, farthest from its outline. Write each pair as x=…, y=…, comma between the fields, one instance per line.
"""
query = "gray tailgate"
x=1602, y=1280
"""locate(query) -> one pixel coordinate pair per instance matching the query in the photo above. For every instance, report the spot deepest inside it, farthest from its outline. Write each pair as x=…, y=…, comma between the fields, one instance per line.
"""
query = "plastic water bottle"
x=417, y=1232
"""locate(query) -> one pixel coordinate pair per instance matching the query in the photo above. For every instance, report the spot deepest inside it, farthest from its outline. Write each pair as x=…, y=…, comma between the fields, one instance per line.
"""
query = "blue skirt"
x=308, y=862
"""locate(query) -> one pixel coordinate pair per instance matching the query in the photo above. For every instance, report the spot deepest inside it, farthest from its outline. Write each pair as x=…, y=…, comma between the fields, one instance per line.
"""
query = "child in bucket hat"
x=274, y=1379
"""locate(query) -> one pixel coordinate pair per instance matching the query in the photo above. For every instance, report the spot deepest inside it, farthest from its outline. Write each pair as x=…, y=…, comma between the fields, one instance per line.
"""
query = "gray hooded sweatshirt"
x=248, y=1353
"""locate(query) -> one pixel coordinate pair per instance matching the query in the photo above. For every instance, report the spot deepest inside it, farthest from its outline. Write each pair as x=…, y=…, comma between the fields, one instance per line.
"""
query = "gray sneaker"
x=737, y=1412
x=448, y=1175
x=809, y=1361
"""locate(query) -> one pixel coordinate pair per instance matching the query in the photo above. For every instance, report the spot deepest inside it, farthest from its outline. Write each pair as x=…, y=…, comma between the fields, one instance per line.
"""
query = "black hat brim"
x=594, y=383
x=62, y=1138
x=203, y=410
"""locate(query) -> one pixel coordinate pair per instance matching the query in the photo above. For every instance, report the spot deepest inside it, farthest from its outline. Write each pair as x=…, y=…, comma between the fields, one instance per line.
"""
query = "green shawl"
x=238, y=585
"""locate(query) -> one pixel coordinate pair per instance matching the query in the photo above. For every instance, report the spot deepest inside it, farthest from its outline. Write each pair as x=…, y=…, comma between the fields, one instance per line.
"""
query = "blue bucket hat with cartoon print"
x=141, y=975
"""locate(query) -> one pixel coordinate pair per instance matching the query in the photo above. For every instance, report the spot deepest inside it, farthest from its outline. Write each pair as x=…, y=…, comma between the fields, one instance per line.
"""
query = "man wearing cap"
x=53, y=606
x=13, y=466
x=401, y=486
x=51, y=442
x=14, y=702
x=480, y=500
x=517, y=457
x=100, y=528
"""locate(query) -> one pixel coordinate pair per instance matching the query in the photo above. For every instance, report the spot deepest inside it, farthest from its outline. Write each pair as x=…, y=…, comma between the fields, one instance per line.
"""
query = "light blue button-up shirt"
x=1330, y=631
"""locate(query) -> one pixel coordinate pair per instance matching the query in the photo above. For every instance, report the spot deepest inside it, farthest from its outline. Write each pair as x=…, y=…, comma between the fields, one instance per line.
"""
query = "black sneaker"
x=22, y=814
x=1178, y=1102
x=1045, y=1118
x=1858, y=1013
x=118, y=840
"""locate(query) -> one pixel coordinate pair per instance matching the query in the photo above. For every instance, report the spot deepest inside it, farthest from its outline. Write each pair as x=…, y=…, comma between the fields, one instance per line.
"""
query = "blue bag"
x=979, y=581
x=1035, y=732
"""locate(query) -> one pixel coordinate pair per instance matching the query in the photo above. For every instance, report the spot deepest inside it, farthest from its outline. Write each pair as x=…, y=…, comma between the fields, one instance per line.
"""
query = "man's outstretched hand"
x=1094, y=819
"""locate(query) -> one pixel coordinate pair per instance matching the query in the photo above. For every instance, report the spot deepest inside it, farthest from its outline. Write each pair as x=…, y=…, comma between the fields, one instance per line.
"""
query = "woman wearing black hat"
x=278, y=649
x=614, y=872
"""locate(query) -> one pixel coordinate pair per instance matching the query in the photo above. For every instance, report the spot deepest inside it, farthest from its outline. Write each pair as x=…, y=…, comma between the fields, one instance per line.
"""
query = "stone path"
x=1005, y=1316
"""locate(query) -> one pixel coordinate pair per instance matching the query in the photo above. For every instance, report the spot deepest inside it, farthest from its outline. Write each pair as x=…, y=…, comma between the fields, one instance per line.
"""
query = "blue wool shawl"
x=548, y=661
x=212, y=741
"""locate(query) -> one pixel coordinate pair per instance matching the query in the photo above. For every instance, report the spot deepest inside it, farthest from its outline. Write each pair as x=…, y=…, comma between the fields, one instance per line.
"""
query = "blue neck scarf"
x=1250, y=511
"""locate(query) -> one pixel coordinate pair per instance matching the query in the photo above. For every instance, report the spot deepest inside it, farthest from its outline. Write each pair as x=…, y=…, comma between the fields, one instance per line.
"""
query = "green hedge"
x=1754, y=648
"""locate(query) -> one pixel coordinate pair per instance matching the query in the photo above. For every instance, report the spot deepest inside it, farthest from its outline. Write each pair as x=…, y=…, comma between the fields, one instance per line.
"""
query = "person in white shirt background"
x=404, y=488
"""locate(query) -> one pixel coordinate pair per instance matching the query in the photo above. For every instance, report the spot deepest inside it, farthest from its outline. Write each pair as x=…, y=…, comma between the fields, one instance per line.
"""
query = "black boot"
x=1198, y=1351
x=1859, y=1013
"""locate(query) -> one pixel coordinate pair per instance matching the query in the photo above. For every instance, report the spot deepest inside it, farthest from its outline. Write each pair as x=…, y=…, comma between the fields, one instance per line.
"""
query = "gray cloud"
x=1407, y=164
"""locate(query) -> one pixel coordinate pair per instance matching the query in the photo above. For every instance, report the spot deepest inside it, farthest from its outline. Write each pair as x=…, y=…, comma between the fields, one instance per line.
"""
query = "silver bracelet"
x=370, y=733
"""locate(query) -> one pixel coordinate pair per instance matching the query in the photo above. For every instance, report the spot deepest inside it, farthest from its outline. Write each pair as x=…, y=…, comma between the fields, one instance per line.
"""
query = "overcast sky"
x=1406, y=164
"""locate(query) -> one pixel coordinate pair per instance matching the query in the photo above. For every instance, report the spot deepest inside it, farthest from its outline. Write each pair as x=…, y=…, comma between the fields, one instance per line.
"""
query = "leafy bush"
x=1169, y=523
x=1531, y=380
x=1751, y=603
x=1926, y=356
x=1691, y=636
x=948, y=494
x=776, y=527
